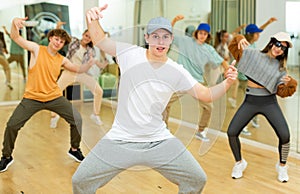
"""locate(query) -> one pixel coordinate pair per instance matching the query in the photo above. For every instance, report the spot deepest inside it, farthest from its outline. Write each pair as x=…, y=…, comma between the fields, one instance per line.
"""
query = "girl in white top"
x=79, y=52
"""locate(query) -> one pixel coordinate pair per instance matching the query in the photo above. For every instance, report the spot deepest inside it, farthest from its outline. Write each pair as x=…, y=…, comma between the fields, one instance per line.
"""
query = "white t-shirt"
x=144, y=93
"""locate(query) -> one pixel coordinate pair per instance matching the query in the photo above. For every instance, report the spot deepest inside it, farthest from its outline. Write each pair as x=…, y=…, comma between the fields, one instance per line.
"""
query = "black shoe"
x=5, y=163
x=76, y=155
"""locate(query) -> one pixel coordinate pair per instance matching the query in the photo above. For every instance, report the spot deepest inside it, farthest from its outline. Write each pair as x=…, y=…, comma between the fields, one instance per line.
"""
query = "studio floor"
x=43, y=166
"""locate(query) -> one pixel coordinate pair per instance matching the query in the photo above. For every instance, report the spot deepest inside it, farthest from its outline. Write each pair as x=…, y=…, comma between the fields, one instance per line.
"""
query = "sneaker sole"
x=205, y=140
x=5, y=169
x=53, y=127
x=247, y=134
x=237, y=177
x=79, y=161
x=284, y=181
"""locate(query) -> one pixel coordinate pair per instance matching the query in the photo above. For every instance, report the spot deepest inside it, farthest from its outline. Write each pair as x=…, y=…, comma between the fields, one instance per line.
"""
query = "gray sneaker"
x=53, y=121
x=254, y=123
x=246, y=131
x=232, y=102
x=202, y=136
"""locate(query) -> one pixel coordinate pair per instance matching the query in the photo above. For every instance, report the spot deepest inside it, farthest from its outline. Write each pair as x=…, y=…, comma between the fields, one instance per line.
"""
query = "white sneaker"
x=254, y=123
x=282, y=173
x=96, y=119
x=246, y=131
x=238, y=169
x=202, y=136
x=53, y=121
x=232, y=102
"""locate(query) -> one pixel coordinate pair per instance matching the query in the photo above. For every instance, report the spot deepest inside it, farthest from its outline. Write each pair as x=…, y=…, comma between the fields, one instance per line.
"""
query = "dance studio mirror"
x=200, y=11
x=137, y=13
x=46, y=14
x=17, y=81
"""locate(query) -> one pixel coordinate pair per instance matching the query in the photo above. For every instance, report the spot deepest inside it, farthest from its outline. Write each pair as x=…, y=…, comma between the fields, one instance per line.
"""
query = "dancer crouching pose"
x=266, y=73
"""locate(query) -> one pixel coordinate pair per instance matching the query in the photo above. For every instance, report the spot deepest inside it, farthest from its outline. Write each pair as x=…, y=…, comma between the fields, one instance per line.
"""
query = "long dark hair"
x=90, y=44
x=218, y=37
x=281, y=58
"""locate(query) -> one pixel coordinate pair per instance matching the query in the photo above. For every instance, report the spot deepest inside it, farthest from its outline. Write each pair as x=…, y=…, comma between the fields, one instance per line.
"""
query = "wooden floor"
x=42, y=165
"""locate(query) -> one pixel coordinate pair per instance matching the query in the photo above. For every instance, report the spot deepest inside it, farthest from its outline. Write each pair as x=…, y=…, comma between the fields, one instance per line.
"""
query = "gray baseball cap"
x=159, y=23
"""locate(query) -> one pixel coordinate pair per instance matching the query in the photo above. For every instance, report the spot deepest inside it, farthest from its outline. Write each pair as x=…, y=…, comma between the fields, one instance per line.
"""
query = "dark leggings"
x=267, y=106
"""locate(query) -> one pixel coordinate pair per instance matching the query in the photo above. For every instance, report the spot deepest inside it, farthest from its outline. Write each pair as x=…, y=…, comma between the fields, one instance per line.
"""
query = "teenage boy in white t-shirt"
x=139, y=136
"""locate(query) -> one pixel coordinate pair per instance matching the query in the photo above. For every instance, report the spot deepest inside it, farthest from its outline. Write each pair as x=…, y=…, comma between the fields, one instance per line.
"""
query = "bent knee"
x=196, y=184
x=97, y=90
x=232, y=133
x=13, y=125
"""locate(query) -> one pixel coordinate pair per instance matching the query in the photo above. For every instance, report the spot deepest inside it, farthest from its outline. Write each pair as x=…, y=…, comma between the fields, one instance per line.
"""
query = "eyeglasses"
x=279, y=45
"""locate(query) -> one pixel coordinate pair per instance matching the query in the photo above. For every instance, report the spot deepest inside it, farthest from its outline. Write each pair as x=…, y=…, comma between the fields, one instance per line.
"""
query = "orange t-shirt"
x=42, y=77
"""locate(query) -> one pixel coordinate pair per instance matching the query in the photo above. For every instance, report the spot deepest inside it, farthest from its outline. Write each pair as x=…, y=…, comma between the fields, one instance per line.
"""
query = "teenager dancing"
x=266, y=73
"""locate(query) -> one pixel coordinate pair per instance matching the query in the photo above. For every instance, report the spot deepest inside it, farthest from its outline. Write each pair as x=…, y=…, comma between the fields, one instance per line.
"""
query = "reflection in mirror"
x=137, y=13
x=15, y=56
x=144, y=10
x=13, y=66
x=45, y=20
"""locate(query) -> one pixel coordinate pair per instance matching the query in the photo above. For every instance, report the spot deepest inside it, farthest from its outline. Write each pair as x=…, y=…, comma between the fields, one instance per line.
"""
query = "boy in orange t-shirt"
x=42, y=91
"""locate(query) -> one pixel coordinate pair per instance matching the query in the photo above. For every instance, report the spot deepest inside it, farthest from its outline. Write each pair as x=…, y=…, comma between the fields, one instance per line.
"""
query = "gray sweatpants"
x=110, y=157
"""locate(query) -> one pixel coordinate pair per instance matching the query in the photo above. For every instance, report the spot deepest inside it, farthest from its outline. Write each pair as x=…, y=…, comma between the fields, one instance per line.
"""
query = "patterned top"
x=75, y=45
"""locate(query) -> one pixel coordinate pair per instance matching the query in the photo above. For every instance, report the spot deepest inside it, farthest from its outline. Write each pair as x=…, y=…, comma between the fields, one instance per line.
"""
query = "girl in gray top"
x=265, y=70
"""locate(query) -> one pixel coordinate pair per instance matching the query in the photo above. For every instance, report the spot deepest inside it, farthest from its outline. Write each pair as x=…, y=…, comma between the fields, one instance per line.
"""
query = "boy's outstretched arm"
x=213, y=93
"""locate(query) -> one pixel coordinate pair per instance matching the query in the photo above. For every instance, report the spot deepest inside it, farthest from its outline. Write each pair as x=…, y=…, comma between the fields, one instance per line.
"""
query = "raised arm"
x=5, y=30
x=237, y=45
x=96, y=31
x=17, y=24
x=271, y=20
x=238, y=29
x=176, y=19
x=59, y=24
